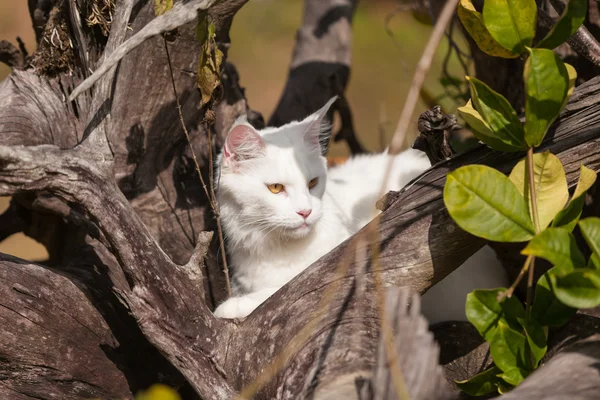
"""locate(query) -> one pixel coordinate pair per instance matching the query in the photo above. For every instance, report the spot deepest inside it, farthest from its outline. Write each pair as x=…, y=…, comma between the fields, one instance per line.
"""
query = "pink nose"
x=304, y=213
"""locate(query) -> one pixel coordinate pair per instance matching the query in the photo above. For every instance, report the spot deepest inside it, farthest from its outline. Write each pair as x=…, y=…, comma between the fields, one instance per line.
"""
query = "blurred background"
x=387, y=43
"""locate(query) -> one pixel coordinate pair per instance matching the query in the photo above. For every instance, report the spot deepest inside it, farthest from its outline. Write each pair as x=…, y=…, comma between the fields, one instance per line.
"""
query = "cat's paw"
x=235, y=307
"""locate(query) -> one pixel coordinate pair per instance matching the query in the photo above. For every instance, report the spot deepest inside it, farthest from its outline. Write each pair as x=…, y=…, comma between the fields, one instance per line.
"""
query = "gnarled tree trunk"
x=107, y=182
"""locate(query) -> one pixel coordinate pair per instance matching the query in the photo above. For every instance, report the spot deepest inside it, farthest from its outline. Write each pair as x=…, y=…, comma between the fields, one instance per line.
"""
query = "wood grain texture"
x=110, y=180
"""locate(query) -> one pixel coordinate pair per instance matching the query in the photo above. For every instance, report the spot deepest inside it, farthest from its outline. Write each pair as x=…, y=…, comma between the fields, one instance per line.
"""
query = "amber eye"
x=275, y=187
x=313, y=182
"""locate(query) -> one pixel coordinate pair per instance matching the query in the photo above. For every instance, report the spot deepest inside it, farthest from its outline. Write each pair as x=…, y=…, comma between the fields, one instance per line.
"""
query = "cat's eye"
x=275, y=187
x=313, y=182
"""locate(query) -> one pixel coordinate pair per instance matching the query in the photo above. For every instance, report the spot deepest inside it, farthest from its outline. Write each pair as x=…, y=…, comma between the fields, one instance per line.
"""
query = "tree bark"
x=110, y=174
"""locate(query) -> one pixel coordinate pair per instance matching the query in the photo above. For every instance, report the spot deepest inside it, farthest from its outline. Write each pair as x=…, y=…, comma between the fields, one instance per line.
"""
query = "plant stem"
x=212, y=200
x=532, y=194
x=525, y=268
x=536, y=223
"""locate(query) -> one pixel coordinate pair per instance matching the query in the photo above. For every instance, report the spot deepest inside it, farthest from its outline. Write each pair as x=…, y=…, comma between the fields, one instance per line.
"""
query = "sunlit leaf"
x=514, y=376
x=558, y=246
x=504, y=387
x=472, y=20
x=162, y=6
x=572, y=72
x=482, y=383
x=511, y=22
x=552, y=191
x=507, y=348
x=569, y=216
x=485, y=203
x=594, y=262
x=536, y=342
x=484, y=310
x=546, y=84
x=481, y=130
x=568, y=23
x=158, y=392
x=499, y=115
x=590, y=229
x=579, y=288
x=547, y=309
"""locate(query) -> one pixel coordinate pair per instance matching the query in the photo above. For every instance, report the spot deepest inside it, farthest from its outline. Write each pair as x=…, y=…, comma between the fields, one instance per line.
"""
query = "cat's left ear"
x=319, y=131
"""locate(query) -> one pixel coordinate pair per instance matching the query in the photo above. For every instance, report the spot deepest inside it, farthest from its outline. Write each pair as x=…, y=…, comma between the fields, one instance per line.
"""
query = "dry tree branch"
x=179, y=15
x=162, y=296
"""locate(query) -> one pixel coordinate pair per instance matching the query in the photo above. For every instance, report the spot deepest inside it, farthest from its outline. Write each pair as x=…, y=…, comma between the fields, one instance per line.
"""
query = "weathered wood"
x=48, y=347
x=142, y=233
x=414, y=352
x=320, y=67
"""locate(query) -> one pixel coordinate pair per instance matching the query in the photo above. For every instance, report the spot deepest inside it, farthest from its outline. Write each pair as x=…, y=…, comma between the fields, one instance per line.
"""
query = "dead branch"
x=141, y=240
x=320, y=67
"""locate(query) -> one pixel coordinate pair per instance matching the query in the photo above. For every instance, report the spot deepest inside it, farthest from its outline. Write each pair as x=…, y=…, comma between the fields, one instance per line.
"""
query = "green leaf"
x=579, y=288
x=546, y=85
x=511, y=22
x=484, y=311
x=570, y=20
x=514, y=376
x=162, y=6
x=569, y=216
x=547, y=309
x=472, y=20
x=482, y=383
x=558, y=246
x=552, y=191
x=590, y=229
x=507, y=348
x=498, y=114
x=536, y=342
x=201, y=28
x=504, y=387
x=485, y=203
x=481, y=130
x=594, y=262
x=572, y=79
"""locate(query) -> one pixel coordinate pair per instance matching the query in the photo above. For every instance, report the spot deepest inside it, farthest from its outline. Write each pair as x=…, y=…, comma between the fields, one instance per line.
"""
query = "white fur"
x=270, y=243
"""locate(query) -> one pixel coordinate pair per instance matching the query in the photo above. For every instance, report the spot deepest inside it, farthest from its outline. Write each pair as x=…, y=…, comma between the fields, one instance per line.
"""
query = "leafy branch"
x=532, y=204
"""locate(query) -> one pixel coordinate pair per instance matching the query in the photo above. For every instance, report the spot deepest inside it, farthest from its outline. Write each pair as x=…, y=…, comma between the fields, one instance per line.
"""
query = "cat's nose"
x=304, y=213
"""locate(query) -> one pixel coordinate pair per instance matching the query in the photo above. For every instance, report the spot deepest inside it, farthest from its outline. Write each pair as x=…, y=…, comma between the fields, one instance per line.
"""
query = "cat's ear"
x=242, y=143
x=319, y=130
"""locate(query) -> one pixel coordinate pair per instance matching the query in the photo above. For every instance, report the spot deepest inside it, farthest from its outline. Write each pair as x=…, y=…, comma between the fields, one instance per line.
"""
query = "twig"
x=210, y=196
x=529, y=296
x=215, y=207
x=386, y=326
x=185, y=131
x=298, y=340
x=536, y=223
x=509, y=292
x=395, y=146
x=179, y=15
x=419, y=78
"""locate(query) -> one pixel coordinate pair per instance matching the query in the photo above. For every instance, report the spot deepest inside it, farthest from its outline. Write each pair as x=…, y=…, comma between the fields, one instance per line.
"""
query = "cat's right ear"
x=242, y=143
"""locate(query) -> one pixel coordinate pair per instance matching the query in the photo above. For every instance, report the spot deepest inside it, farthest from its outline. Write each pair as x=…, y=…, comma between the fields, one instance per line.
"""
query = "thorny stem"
x=536, y=223
x=210, y=196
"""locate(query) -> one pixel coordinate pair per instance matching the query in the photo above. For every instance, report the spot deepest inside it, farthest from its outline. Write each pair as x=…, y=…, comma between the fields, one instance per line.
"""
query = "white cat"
x=281, y=210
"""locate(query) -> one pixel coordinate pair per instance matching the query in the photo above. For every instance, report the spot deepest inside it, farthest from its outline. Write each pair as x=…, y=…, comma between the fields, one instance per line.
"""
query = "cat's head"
x=272, y=181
